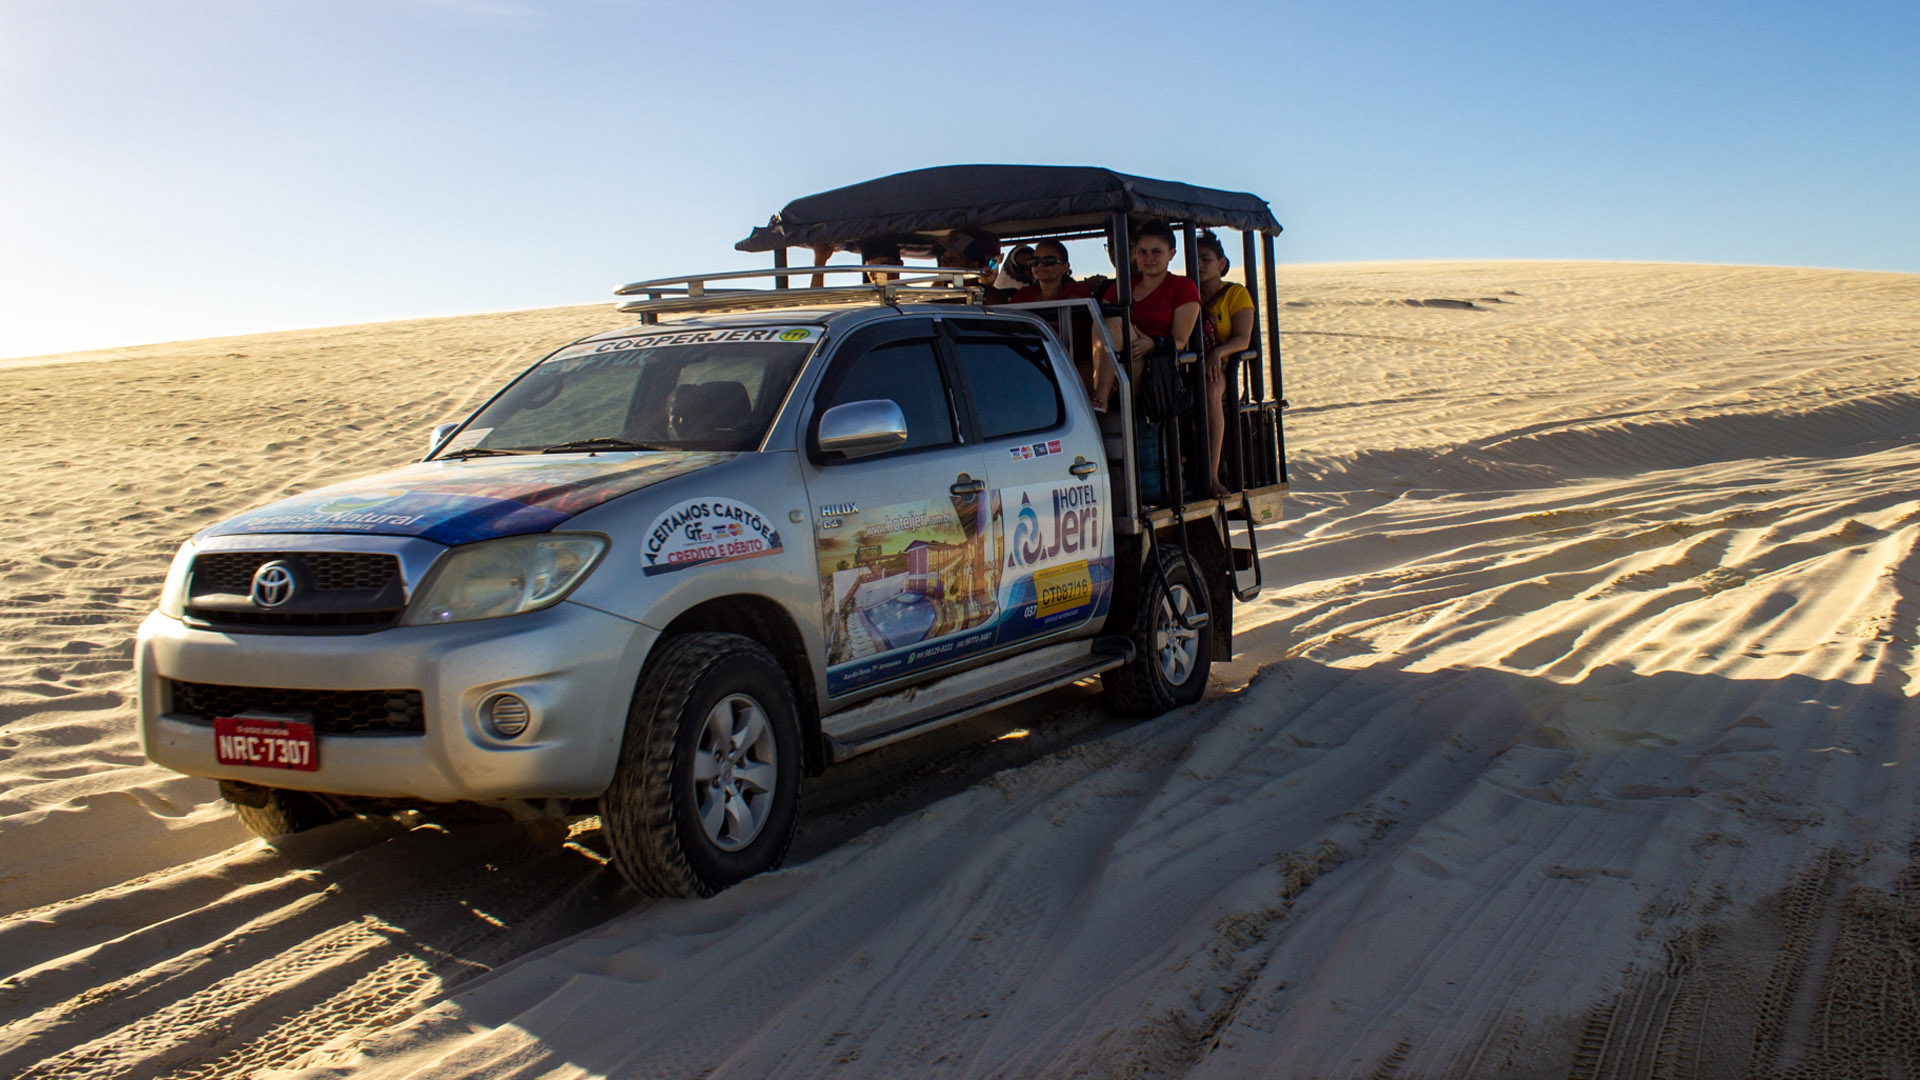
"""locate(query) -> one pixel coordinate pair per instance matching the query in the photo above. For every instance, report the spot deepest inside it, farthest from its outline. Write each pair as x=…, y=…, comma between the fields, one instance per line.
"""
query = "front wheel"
x=1170, y=661
x=271, y=813
x=707, y=791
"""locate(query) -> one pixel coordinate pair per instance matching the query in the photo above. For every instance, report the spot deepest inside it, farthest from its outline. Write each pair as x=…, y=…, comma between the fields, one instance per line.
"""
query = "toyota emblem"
x=272, y=584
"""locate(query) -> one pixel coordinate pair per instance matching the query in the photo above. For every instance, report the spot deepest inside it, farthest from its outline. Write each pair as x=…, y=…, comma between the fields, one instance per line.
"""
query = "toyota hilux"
x=666, y=572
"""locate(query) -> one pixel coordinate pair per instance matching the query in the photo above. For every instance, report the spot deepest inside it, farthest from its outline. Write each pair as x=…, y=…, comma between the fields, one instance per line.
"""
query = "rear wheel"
x=707, y=791
x=1170, y=661
x=270, y=813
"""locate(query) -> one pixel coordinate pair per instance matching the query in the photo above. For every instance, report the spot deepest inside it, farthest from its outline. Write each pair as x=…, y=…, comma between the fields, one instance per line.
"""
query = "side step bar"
x=1108, y=653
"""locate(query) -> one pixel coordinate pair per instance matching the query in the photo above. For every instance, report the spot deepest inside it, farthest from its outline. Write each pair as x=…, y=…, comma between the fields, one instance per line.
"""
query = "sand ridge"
x=1573, y=736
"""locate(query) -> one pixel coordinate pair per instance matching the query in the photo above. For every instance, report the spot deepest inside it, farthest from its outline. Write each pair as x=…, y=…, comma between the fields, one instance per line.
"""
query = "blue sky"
x=191, y=168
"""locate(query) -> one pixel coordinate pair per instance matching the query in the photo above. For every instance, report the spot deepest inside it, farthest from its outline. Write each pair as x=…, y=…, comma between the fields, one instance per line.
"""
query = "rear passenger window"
x=1012, y=383
x=906, y=372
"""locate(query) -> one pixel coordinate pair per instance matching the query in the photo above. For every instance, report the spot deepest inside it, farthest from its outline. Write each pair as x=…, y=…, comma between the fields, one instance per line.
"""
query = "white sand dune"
x=1573, y=736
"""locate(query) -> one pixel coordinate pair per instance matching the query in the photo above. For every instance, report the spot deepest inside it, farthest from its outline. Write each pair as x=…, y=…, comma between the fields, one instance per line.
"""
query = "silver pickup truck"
x=666, y=572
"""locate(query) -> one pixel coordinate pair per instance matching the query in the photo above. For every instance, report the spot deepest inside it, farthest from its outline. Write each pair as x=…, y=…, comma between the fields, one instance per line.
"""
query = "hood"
x=459, y=502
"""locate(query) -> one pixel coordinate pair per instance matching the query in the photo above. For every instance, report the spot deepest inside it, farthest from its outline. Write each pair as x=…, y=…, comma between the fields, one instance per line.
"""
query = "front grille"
x=332, y=712
x=335, y=592
x=232, y=571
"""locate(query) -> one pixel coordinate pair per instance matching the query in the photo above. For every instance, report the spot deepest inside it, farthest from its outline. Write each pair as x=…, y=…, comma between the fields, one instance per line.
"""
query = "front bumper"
x=575, y=665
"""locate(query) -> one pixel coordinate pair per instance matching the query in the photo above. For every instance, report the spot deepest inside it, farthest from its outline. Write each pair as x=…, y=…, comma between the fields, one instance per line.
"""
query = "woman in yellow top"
x=1228, y=309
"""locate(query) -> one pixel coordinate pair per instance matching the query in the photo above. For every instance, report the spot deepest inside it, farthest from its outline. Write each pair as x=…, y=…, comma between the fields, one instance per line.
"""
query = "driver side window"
x=906, y=372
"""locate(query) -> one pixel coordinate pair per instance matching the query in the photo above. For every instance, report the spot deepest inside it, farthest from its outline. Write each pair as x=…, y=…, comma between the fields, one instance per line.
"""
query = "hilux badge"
x=837, y=509
x=272, y=584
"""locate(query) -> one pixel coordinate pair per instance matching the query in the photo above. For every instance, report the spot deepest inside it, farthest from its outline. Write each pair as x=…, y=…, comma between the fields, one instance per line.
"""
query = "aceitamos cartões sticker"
x=709, y=530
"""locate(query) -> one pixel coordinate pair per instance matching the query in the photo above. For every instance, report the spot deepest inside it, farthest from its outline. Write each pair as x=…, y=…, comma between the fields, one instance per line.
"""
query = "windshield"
x=695, y=390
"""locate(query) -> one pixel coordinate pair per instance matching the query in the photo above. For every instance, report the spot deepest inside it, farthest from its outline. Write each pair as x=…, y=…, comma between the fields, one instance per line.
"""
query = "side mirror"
x=862, y=428
x=440, y=433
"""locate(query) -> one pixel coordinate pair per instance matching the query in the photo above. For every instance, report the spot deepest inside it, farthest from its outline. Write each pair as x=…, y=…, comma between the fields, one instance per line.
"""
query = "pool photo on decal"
x=900, y=620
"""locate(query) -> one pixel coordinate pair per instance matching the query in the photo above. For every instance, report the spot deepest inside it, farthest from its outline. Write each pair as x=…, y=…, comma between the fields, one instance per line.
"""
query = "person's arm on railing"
x=821, y=253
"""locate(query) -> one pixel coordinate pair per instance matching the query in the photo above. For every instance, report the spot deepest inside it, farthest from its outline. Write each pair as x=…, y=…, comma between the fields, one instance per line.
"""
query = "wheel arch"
x=767, y=622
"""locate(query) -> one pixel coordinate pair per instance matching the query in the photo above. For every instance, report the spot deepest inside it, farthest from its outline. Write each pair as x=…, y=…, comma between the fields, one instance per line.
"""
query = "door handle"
x=1082, y=468
x=967, y=485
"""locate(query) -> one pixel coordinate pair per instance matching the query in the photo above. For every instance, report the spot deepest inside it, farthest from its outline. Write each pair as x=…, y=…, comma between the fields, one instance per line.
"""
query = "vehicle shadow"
x=278, y=952
x=269, y=953
x=1400, y=760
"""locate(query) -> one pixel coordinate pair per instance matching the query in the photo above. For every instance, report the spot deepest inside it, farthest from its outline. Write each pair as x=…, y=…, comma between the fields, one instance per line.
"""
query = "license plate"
x=267, y=744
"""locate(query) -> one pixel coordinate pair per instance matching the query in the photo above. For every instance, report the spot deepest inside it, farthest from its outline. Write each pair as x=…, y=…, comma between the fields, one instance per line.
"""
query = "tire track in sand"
x=1816, y=982
x=314, y=948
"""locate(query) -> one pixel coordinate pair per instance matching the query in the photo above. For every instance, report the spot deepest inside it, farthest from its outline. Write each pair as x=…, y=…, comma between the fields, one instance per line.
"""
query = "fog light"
x=505, y=715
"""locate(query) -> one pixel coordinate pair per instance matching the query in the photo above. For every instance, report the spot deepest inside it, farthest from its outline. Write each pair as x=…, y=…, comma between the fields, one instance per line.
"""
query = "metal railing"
x=897, y=284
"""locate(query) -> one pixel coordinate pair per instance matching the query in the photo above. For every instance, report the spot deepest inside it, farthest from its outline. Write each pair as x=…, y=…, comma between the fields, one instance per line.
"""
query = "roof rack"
x=682, y=295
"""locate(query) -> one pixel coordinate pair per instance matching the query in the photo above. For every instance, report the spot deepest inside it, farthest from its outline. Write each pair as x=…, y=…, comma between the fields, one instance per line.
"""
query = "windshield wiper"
x=602, y=443
x=478, y=451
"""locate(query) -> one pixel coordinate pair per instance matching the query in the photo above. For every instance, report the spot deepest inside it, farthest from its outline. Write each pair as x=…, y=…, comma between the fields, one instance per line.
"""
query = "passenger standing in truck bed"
x=974, y=249
x=1052, y=276
x=1228, y=330
x=1053, y=280
x=1166, y=307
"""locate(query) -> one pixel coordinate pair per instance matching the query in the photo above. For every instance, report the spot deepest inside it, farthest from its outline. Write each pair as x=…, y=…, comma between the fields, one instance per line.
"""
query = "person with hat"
x=974, y=249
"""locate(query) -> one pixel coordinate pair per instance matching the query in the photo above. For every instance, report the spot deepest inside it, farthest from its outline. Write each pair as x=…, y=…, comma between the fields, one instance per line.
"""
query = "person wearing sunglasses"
x=1053, y=280
x=1052, y=276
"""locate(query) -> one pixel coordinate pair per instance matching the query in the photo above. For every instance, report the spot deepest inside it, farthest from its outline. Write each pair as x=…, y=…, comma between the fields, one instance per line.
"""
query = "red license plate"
x=268, y=744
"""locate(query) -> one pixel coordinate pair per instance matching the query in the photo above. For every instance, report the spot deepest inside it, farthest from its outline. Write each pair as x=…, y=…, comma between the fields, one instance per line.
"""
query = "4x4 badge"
x=272, y=584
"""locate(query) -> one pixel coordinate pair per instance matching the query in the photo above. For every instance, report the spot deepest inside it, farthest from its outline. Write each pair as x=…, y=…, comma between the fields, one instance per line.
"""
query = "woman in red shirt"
x=1165, y=306
x=1165, y=309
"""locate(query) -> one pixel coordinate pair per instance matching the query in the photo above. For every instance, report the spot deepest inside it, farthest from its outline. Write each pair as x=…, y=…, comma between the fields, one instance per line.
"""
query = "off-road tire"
x=650, y=812
x=271, y=813
x=1141, y=687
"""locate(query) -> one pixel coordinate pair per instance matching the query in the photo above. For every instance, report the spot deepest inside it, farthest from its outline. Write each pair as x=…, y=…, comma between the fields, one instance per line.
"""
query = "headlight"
x=504, y=577
x=173, y=595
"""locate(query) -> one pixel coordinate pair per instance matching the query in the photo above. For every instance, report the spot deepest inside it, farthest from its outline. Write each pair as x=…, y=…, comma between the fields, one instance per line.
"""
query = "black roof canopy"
x=1009, y=200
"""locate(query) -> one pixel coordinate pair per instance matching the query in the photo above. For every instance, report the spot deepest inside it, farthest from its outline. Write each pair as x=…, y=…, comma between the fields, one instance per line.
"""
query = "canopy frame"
x=1029, y=203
